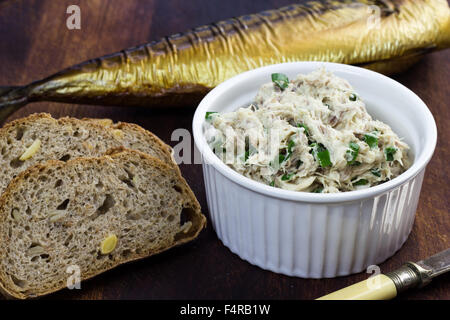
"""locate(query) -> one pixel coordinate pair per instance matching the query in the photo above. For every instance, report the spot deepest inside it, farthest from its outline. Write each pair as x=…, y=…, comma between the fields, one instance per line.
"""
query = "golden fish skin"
x=181, y=68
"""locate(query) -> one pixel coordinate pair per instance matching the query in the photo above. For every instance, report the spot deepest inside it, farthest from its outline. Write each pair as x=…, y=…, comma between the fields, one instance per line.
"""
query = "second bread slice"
x=92, y=214
x=39, y=137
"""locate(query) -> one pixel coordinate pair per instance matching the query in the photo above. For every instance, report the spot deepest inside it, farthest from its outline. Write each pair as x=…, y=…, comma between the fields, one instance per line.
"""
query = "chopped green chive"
x=318, y=190
x=277, y=161
x=371, y=139
x=272, y=183
x=353, y=97
x=389, y=152
x=298, y=164
x=321, y=154
x=354, y=146
x=246, y=155
x=361, y=182
x=288, y=152
x=376, y=172
x=281, y=80
x=302, y=125
x=352, y=153
x=287, y=176
x=249, y=150
x=208, y=115
x=291, y=144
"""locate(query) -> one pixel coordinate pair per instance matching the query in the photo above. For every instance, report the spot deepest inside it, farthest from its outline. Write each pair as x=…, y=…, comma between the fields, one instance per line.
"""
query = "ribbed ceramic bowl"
x=317, y=235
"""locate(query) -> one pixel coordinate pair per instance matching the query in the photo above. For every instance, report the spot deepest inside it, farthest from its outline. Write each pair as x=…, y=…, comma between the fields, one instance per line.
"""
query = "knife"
x=387, y=286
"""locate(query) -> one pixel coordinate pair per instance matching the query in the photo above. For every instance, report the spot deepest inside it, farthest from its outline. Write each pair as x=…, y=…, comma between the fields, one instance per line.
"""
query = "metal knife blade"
x=437, y=264
x=419, y=274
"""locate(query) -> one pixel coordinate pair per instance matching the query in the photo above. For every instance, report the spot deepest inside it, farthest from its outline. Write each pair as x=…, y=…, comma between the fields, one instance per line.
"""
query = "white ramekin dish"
x=317, y=235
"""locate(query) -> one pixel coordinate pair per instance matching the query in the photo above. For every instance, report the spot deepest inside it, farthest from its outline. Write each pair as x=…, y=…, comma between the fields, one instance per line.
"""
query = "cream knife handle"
x=379, y=287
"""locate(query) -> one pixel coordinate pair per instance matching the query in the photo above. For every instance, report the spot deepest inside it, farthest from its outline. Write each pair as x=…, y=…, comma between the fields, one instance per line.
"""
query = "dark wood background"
x=34, y=42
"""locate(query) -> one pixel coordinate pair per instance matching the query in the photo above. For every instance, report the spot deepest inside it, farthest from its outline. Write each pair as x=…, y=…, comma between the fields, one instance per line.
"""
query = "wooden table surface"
x=35, y=42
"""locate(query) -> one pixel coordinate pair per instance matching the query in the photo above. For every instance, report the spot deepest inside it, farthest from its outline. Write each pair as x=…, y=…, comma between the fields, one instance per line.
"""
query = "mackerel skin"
x=386, y=36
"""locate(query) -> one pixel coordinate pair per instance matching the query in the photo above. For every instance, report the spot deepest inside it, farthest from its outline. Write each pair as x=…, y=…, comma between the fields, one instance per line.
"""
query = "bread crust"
x=132, y=126
x=198, y=221
x=166, y=153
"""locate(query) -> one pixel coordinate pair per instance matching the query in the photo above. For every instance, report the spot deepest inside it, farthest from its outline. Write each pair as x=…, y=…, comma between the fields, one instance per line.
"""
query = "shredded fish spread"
x=311, y=134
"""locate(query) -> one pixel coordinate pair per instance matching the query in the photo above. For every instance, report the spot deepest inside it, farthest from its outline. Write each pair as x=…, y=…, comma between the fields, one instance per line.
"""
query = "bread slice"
x=69, y=138
x=57, y=214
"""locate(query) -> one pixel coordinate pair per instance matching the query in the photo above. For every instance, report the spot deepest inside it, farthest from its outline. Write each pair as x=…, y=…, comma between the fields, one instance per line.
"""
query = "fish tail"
x=12, y=99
